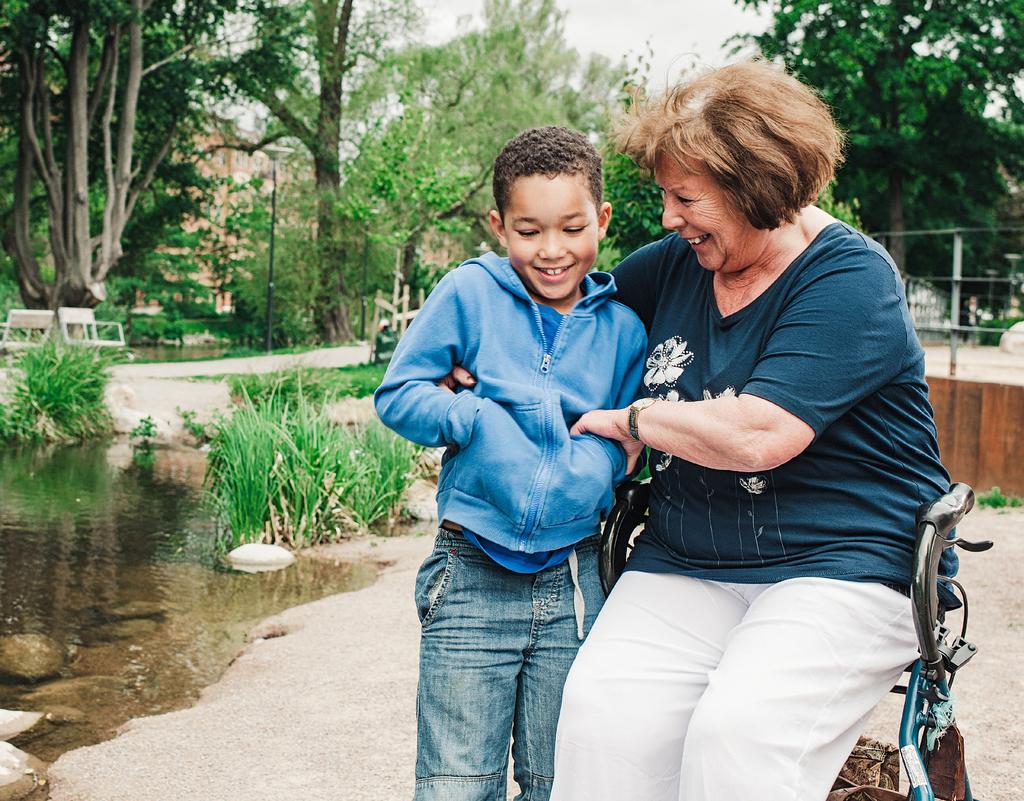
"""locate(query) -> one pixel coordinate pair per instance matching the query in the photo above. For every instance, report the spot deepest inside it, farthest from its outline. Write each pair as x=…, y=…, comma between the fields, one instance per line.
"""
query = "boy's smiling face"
x=551, y=228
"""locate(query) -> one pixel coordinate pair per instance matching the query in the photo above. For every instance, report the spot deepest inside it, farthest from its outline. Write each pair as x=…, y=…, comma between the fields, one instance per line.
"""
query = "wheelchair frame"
x=928, y=706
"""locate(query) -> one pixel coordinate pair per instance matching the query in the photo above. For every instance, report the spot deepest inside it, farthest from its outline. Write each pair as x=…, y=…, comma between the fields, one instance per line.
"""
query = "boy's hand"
x=611, y=424
x=458, y=378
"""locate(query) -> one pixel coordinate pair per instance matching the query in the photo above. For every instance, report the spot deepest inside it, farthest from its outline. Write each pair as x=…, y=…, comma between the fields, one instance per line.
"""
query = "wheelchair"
x=930, y=745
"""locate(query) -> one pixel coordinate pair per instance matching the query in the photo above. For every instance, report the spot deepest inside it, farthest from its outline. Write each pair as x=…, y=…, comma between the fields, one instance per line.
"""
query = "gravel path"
x=324, y=357
x=326, y=711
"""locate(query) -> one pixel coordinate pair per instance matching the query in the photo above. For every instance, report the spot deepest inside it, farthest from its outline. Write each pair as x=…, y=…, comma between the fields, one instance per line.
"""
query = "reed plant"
x=316, y=384
x=56, y=395
x=280, y=471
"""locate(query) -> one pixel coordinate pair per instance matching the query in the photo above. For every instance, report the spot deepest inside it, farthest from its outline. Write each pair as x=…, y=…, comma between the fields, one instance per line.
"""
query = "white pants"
x=691, y=690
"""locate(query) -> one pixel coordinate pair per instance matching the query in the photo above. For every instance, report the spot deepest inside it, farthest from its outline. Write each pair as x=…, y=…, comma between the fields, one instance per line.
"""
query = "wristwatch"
x=635, y=408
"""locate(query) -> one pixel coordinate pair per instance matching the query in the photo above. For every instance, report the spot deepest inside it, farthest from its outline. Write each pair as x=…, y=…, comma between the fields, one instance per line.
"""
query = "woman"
x=764, y=611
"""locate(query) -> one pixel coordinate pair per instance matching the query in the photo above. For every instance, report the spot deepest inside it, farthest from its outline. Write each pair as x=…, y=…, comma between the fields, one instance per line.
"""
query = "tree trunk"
x=79, y=277
x=35, y=294
x=74, y=278
x=409, y=248
x=332, y=314
x=897, y=241
x=332, y=32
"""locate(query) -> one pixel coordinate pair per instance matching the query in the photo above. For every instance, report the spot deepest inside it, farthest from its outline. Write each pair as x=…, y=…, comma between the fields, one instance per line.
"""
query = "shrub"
x=280, y=472
x=57, y=395
x=995, y=499
x=997, y=327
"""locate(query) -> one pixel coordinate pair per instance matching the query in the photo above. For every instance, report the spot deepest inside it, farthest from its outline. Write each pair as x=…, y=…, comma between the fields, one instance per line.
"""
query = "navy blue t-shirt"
x=831, y=342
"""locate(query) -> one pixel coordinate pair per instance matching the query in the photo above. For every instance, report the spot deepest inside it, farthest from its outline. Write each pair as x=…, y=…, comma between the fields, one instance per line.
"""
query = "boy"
x=512, y=585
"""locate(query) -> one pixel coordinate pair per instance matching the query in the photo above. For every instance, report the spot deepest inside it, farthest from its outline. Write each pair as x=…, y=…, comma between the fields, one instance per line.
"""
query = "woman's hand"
x=611, y=424
x=607, y=423
x=458, y=378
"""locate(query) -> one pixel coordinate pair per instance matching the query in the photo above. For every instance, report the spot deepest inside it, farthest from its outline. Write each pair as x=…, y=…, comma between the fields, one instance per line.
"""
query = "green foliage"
x=316, y=385
x=142, y=451
x=636, y=204
x=9, y=297
x=929, y=94
x=991, y=337
x=192, y=425
x=994, y=499
x=296, y=273
x=145, y=432
x=841, y=210
x=57, y=395
x=182, y=80
x=437, y=117
x=281, y=472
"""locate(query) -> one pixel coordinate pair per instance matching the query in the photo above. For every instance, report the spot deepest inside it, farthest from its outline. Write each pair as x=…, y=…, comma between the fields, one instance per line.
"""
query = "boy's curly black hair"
x=549, y=150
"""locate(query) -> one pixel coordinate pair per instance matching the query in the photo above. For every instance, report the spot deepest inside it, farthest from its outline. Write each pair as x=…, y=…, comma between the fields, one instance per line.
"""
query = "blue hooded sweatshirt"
x=516, y=477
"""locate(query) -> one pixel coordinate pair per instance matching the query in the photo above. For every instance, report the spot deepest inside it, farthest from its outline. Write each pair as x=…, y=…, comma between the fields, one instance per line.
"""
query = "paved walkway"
x=324, y=357
x=975, y=363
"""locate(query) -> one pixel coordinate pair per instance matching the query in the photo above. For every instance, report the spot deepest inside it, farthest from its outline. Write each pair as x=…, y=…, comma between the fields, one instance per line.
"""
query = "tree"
x=85, y=75
x=448, y=109
x=310, y=98
x=929, y=92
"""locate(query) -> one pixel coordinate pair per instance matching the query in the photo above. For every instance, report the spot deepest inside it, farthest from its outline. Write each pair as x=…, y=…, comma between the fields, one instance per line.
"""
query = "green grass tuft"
x=57, y=395
x=318, y=385
x=279, y=471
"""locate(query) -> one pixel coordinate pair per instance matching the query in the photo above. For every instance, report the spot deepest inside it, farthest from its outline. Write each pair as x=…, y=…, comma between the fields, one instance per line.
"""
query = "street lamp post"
x=362, y=294
x=275, y=152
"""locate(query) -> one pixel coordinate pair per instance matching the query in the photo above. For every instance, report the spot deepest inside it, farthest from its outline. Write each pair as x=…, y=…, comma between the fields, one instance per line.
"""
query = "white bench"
x=79, y=326
x=26, y=328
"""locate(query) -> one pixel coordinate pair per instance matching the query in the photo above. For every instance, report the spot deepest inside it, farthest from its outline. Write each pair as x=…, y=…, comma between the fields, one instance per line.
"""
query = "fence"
x=981, y=432
x=397, y=313
x=961, y=308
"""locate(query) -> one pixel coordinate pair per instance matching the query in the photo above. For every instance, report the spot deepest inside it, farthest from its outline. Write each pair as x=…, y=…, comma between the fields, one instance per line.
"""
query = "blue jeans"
x=494, y=653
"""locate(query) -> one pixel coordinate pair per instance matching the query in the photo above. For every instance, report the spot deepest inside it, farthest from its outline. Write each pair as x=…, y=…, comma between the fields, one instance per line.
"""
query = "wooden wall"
x=981, y=432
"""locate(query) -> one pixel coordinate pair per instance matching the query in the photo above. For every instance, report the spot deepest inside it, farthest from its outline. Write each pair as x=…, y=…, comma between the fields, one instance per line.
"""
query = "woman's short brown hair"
x=765, y=138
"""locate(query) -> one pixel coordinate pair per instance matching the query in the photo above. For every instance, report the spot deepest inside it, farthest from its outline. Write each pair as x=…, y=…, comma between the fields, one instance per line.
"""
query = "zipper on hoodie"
x=533, y=505
x=545, y=363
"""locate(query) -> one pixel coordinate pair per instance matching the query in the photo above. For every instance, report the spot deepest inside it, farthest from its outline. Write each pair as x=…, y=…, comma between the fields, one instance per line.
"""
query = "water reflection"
x=178, y=353
x=115, y=563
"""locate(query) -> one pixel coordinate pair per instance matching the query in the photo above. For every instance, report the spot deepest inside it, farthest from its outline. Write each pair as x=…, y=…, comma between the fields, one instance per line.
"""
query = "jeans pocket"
x=433, y=581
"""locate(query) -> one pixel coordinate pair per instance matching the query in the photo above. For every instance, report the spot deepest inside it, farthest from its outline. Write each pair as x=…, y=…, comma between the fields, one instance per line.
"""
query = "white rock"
x=352, y=411
x=256, y=557
x=430, y=460
x=12, y=763
x=1012, y=340
x=420, y=501
x=121, y=395
x=13, y=722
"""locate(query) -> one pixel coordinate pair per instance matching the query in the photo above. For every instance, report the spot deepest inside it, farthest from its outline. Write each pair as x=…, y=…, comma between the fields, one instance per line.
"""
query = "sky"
x=680, y=32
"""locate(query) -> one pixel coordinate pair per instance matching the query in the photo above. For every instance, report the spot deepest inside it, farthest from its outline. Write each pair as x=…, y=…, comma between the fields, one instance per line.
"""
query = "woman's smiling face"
x=698, y=211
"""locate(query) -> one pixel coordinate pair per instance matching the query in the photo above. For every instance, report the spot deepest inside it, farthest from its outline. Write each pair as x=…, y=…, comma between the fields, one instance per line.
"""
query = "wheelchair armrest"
x=935, y=524
x=945, y=512
x=630, y=511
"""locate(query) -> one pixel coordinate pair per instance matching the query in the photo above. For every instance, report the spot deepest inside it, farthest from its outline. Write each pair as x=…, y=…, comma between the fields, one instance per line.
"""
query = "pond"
x=114, y=561
x=178, y=353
